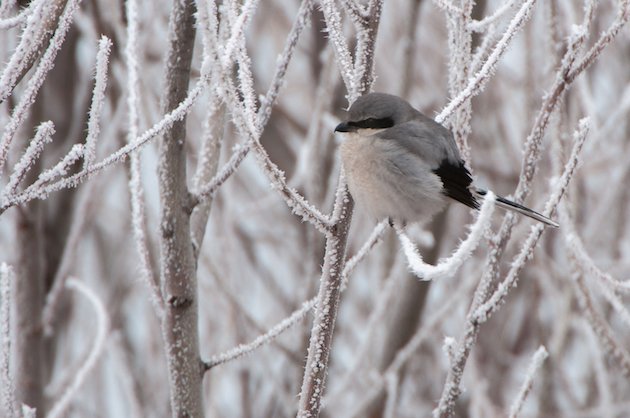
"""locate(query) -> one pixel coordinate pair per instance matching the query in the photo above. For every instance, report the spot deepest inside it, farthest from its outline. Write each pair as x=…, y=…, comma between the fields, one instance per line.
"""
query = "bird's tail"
x=513, y=206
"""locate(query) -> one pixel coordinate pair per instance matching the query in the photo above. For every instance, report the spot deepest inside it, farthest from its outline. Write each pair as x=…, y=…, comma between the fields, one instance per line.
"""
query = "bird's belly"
x=388, y=182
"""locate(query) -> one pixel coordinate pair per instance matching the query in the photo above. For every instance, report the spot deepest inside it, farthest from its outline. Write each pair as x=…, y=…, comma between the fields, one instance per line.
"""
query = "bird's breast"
x=388, y=181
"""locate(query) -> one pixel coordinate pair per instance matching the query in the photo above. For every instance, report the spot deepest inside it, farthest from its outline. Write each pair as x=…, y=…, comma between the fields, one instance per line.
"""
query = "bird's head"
x=376, y=111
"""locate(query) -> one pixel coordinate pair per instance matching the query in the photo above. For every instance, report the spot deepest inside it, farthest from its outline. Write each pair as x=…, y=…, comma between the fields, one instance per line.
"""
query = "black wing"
x=457, y=180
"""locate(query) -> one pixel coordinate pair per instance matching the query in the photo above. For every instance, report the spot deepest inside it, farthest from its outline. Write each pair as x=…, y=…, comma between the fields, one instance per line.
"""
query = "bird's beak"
x=344, y=127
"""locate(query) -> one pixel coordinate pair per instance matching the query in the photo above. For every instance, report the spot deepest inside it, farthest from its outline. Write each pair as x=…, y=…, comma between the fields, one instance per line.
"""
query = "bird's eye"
x=373, y=123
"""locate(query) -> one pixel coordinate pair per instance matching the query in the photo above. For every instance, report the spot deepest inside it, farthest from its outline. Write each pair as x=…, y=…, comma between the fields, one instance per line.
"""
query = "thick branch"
x=178, y=271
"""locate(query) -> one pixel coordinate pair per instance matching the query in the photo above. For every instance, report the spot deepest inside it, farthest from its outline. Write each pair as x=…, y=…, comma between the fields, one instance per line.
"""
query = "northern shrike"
x=402, y=165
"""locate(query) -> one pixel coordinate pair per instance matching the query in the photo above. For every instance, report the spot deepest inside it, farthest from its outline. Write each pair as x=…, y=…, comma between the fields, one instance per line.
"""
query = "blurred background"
x=259, y=262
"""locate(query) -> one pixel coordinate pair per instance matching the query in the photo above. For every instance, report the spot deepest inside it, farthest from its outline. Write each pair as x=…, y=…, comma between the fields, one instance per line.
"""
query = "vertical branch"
x=460, y=45
x=334, y=259
x=6, y=382
x=138, y=212
x=178, y=270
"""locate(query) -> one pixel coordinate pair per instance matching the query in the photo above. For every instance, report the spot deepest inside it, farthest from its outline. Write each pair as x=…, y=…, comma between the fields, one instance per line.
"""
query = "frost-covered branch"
x=18, y=19
x=39, y=191
x=6, y=381
x=35, y=82
x=607, y=337
x=483, y=24
x=329, y=294
x=266, y=338
x=102, y=328
x=481, y=311
x=98, y=100
x=478, y=82
x=448, y=267
x=537, y=360
x=498, y=297
x=42, y=17
x=43, y=136
x=339, y=44
x=136, y=191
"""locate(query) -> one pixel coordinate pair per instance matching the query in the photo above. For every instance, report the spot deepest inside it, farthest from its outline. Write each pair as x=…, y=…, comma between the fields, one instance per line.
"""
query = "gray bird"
x=402, y=165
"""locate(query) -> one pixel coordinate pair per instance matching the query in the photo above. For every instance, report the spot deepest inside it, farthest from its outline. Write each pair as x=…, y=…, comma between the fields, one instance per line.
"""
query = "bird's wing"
x=435, y=145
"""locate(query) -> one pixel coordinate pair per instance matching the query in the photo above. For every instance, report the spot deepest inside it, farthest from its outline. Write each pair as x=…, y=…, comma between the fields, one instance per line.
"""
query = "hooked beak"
x=344, y=127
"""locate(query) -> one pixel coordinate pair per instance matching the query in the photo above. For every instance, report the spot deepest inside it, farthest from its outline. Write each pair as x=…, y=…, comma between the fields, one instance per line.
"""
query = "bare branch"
x=8, y=389
x=138, y=211
x=478, y=82
x=102, y=328
x=537, y=360
x=36, y=81
x=448, y=267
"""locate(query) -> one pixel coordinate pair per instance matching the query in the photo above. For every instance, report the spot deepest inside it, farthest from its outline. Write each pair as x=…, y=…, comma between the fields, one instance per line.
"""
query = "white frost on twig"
x=448, y=267
x=6, y=382
x=537, y=360
x=43, y=136
x=485, y=310
x=98, y=100
x=102, y=328
x=136, y=191
x=45, y=65
x=265, y=338
x=480, y=79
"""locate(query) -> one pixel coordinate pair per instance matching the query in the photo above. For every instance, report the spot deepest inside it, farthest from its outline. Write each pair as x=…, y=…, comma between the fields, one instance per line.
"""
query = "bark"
x=178, y=267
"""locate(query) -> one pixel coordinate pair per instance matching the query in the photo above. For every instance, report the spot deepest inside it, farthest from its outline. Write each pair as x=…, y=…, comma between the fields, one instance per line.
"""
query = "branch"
x=266, y=338
x=328, y=297
x=136, y=191
x=7, y=276
x=40, y=191
x=98, y=100
x=478, y=82
x=448, y=267
x=35, y=82
x=102, y=328
x=178, y=266
x=537, y=360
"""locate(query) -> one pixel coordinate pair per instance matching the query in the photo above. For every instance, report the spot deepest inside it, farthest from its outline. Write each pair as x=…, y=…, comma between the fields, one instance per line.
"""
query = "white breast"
x=387, y=181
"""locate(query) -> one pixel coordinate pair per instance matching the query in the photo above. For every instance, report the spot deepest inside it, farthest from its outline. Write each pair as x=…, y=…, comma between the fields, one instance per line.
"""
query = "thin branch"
x=36, y=81
x=537, y=360
x=102, y=327
x=478, y=82
x=483, y=24
x=138, y=210
x=266, y=338
x=7, y=276
x=448, y=267
x=98, y=100
x=42, y=18
x=18, y=19
x=496, y=300
x=43, y=136
x=39, y=192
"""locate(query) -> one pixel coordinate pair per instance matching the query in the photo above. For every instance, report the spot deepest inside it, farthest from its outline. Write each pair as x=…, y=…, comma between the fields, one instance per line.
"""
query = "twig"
x=448, y=267
x=36, y=81
x=279, y=328
x=537, y=360
x=43, y=136
x=102, y=328
x=98, y=100
x=478, y=82
x=8, y=388
x=35, y=191
x=138, y=210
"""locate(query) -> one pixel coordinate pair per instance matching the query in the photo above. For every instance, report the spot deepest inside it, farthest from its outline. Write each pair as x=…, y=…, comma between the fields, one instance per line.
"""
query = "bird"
x=403, y=166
